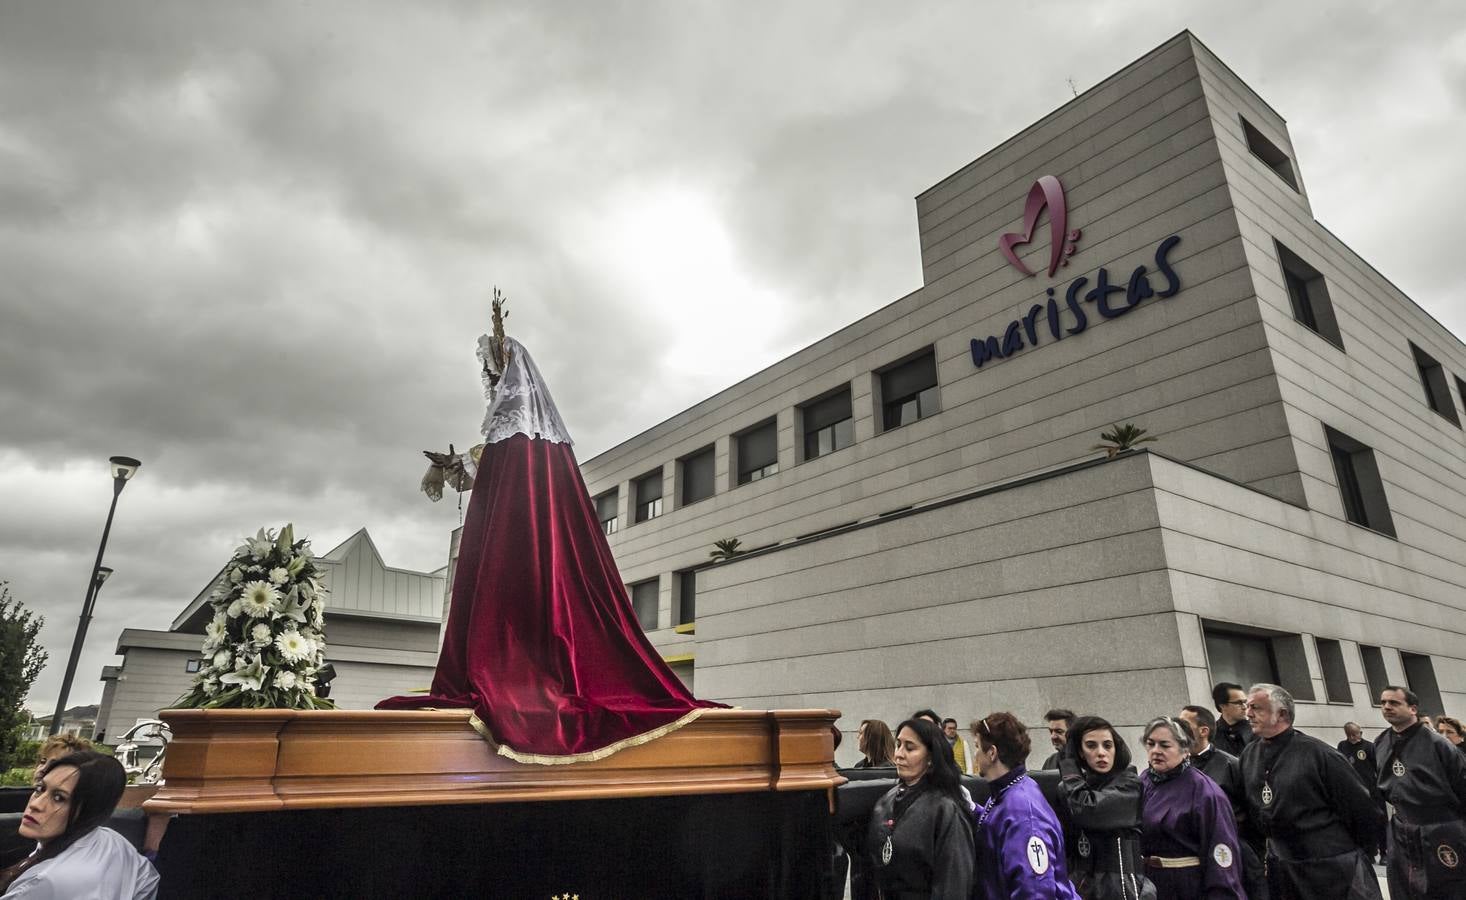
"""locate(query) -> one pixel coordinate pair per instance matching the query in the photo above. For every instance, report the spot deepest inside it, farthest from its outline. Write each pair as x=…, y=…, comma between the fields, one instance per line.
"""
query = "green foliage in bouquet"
x=265, y=643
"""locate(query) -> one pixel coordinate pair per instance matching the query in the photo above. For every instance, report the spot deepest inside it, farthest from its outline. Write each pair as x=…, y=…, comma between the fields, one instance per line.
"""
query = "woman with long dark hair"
x=75, y=856
x=877, y=744
x=1020, y=845
x=919, y=840
x=1099, y=804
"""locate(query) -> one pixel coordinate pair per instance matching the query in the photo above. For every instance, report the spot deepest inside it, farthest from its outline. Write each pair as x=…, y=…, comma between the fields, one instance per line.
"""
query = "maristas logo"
x=1066, y=317
x=1046, y=193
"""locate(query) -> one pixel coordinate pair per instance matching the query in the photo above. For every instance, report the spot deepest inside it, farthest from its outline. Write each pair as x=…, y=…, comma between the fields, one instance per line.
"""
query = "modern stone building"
x=382, y=628
x=931, y=525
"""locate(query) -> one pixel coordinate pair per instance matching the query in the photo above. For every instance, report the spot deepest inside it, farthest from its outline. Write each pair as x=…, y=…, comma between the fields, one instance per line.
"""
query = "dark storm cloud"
x=252, y=244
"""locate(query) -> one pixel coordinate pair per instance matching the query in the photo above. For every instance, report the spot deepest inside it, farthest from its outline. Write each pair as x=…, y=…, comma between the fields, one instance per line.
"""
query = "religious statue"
x=541, y=642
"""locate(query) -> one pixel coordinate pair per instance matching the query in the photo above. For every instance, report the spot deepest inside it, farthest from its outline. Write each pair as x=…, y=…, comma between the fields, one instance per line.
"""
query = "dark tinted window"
x=697, y=476
x=758, y=452
x=644, y=599
x=909, y=392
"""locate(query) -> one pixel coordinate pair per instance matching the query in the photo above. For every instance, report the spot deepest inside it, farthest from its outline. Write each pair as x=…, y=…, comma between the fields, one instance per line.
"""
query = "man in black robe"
x=1232, y=732
x=1309, y=804
x=1226, y=770
x=1360, y=754
x=1424, y=778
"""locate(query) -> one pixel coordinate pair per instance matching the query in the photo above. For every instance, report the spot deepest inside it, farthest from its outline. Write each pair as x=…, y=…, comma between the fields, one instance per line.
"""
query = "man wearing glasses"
x=1232, y=732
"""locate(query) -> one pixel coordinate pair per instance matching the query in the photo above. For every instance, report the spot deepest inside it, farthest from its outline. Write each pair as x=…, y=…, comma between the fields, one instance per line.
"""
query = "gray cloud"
x=252, y=244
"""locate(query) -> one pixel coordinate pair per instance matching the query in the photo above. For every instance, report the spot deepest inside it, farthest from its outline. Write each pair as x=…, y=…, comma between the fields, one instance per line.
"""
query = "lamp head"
x=124, y=467
x=103, y=573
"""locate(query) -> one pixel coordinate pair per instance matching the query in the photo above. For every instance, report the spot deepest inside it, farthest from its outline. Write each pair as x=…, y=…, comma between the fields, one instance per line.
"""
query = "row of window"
x=684, y=608
x=1308, y=293
x=904, y=392
x=1248, y=656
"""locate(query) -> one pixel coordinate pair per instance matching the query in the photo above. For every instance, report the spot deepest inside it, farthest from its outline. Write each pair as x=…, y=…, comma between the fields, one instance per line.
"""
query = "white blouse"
x=100, y=866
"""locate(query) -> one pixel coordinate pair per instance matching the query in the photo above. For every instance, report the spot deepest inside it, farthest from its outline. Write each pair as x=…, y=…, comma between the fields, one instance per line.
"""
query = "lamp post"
x=123, y=468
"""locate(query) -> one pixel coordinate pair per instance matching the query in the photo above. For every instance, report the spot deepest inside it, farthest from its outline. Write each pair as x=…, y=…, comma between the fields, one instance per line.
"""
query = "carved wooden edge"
x=224, y=761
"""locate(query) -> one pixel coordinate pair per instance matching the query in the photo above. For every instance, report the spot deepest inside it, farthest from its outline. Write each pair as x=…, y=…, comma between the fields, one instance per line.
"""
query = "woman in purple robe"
x=1020, y=847
x=1189, y=836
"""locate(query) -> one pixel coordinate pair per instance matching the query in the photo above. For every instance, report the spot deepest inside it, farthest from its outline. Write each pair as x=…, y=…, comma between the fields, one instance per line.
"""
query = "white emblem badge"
x=1448, y=856
x=1267, y=794
x=1082, y=845
x=1038, y=856
x=1223, y=855
x=886, y=851
x=1398, y=768
x=1359, y=754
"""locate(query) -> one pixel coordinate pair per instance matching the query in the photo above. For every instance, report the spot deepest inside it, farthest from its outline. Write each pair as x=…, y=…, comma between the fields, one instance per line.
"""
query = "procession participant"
x=1226, y=770
x=1058, y=721
x=1232, y=732
x=959, y=746
x=1099, y=805
x=1309, y=804
x=876, y=744
x=1189, y=836
x=75, y=857
x=919, y=840
x=1020, y=847
x=1452, y=730
x=57, y=746
x=1360, y=754
x=1424, y=779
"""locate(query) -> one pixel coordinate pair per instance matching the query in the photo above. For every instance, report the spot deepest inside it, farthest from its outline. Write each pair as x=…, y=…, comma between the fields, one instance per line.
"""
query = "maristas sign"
x=1047, y=193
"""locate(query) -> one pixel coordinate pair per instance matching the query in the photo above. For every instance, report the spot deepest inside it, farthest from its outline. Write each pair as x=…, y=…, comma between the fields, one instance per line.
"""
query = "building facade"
x=382, y=626
x=931, y=524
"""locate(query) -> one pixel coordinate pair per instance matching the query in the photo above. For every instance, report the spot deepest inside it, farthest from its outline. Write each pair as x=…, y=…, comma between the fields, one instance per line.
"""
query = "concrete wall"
x=1047, y=593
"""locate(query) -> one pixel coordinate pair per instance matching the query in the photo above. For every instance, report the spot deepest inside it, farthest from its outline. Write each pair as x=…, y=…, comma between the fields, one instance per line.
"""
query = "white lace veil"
x=521, y=402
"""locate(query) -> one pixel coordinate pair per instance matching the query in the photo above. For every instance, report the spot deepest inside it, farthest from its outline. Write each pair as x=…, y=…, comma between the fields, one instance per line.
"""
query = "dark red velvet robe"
x=542, y=641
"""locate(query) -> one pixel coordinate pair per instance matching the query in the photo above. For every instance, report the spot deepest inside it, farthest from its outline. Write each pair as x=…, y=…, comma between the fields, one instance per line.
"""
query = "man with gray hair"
x=1305, y=798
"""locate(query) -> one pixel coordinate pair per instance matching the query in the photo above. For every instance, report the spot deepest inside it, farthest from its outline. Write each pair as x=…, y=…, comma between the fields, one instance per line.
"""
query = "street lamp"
x=123, y=468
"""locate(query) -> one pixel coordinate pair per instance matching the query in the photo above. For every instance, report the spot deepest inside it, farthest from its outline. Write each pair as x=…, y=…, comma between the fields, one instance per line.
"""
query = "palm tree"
x=727, y=548
x=1120, y=439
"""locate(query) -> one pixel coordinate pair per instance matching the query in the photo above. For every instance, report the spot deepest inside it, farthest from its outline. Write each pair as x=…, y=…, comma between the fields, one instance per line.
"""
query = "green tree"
x=21, y=660
x=727, y=548
x=1121, y=438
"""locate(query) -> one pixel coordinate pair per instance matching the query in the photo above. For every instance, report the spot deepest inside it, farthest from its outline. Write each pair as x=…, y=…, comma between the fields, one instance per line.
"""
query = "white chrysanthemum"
x=221, y=659
x=259, y=599
x=211, y=685
x=279, y=576
x=294, y=646
x=260, y=634
x=285, y=681
x=214, y=632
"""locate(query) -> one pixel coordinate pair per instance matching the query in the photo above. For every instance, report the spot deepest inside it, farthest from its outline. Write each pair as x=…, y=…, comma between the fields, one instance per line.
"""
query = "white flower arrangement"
x=265, y=642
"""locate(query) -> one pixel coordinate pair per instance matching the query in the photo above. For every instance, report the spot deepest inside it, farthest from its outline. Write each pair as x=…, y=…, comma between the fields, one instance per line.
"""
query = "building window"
x=1335, y=676
x=647, y=492
x=758, y=452
x=644, y=601
x=1360, y=487
x=1308, y=294
x=1437, y=389
x=606, y=510
x=1268, y=152
x=1420, y=678
x=193, y=665
x=686, y=596
x=909, y=391
x=696, y=478
x=1374, y=671
x=828, y=424
x=1243, y=659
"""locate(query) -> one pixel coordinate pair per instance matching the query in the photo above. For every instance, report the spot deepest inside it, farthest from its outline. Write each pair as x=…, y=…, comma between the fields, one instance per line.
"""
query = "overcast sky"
x=252, y=244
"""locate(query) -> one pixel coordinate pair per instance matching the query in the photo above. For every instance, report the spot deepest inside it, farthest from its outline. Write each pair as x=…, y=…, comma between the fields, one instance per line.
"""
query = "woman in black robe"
x=919, y=840
x=1099, y=805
